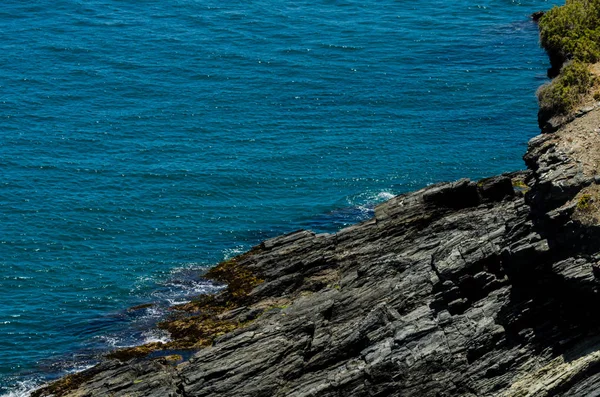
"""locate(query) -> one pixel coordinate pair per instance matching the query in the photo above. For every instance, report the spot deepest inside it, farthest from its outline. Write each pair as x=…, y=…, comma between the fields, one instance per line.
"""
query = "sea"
x=142, y=142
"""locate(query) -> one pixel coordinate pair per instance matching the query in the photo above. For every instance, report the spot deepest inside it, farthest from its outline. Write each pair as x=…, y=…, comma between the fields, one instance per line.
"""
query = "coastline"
x=417, y=133
x=551, y=237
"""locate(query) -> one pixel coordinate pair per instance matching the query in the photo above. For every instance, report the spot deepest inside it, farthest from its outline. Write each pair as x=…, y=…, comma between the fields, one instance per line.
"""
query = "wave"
x=156, y=335
x=23, y=388
x=355, y=208
x=137, y=325
x=156, y=294
x=125, y=328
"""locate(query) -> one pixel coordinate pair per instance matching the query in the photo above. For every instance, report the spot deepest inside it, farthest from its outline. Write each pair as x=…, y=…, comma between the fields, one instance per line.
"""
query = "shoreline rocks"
x=484, y=288
x=462, y=288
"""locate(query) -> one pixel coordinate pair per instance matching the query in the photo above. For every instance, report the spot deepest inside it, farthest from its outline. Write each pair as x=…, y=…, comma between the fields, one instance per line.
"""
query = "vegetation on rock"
x=566, y=91
x=571, y=36
x=584, y=202
x=587, y=208
x=572, y=31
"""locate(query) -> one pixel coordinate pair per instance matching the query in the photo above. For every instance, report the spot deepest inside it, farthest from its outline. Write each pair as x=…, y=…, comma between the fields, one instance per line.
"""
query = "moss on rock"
x=584, y=202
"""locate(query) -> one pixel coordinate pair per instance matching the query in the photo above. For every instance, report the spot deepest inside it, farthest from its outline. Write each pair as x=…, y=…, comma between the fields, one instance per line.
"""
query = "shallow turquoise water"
x=143, y=141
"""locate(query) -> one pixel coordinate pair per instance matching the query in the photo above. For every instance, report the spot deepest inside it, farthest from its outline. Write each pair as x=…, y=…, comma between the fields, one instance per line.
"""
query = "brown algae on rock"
x=196, y=331
x=239, y=279
x=196, y=324
x=137, y=351
x=65, y=384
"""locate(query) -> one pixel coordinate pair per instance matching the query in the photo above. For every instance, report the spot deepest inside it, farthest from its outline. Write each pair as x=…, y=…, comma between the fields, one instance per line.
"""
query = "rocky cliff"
x=468, y=288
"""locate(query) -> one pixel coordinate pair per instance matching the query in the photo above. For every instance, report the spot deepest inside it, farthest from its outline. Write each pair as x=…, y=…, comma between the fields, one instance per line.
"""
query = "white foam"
x=111, y=341
x=232, y=252
x=175, y=302
x=385, y=195
x=369, y=199
x=26, y=387
x=189, y=266
x=154, y=336
x=154, y=311
x=364, y=209
x=23, y=388
x=80, y=368
x=192, y=287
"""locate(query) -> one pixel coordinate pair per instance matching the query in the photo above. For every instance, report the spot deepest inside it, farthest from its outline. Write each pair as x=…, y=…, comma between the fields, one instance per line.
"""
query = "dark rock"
x=536, y=16
x=457, y=195
x=140, y=307
x=496, y=188
x=457, y=289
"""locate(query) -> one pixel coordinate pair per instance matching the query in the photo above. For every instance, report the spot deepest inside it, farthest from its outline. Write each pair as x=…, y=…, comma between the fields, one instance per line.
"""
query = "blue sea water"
x=142, y=141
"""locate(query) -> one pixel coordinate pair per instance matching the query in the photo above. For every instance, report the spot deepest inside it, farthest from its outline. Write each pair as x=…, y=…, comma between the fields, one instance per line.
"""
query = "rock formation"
x=468, y=288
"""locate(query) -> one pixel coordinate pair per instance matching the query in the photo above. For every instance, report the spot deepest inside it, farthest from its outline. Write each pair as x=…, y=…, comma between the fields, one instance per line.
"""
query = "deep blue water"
x=143, y=141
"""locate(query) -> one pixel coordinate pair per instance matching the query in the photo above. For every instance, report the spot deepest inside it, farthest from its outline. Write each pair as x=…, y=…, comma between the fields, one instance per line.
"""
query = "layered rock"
x=464, y=288
x=485, y=288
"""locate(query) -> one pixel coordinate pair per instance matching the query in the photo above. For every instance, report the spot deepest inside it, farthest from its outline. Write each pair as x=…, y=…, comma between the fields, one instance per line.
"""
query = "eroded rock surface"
x=463, y=288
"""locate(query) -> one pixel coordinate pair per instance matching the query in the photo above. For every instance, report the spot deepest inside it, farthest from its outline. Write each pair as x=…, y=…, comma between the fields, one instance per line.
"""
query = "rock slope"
x=464, y=288
x=485, y=288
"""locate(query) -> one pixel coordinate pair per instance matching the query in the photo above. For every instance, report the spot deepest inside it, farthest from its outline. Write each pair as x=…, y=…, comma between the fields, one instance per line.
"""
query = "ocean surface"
x=143, y=141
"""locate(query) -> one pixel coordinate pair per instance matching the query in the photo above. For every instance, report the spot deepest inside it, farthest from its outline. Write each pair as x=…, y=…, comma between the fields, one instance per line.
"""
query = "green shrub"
x=565, y=92
x=572, y=31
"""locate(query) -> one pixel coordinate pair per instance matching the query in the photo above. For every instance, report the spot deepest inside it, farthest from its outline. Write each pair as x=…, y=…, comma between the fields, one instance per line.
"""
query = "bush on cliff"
x=567, y=90
x=572, y=31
